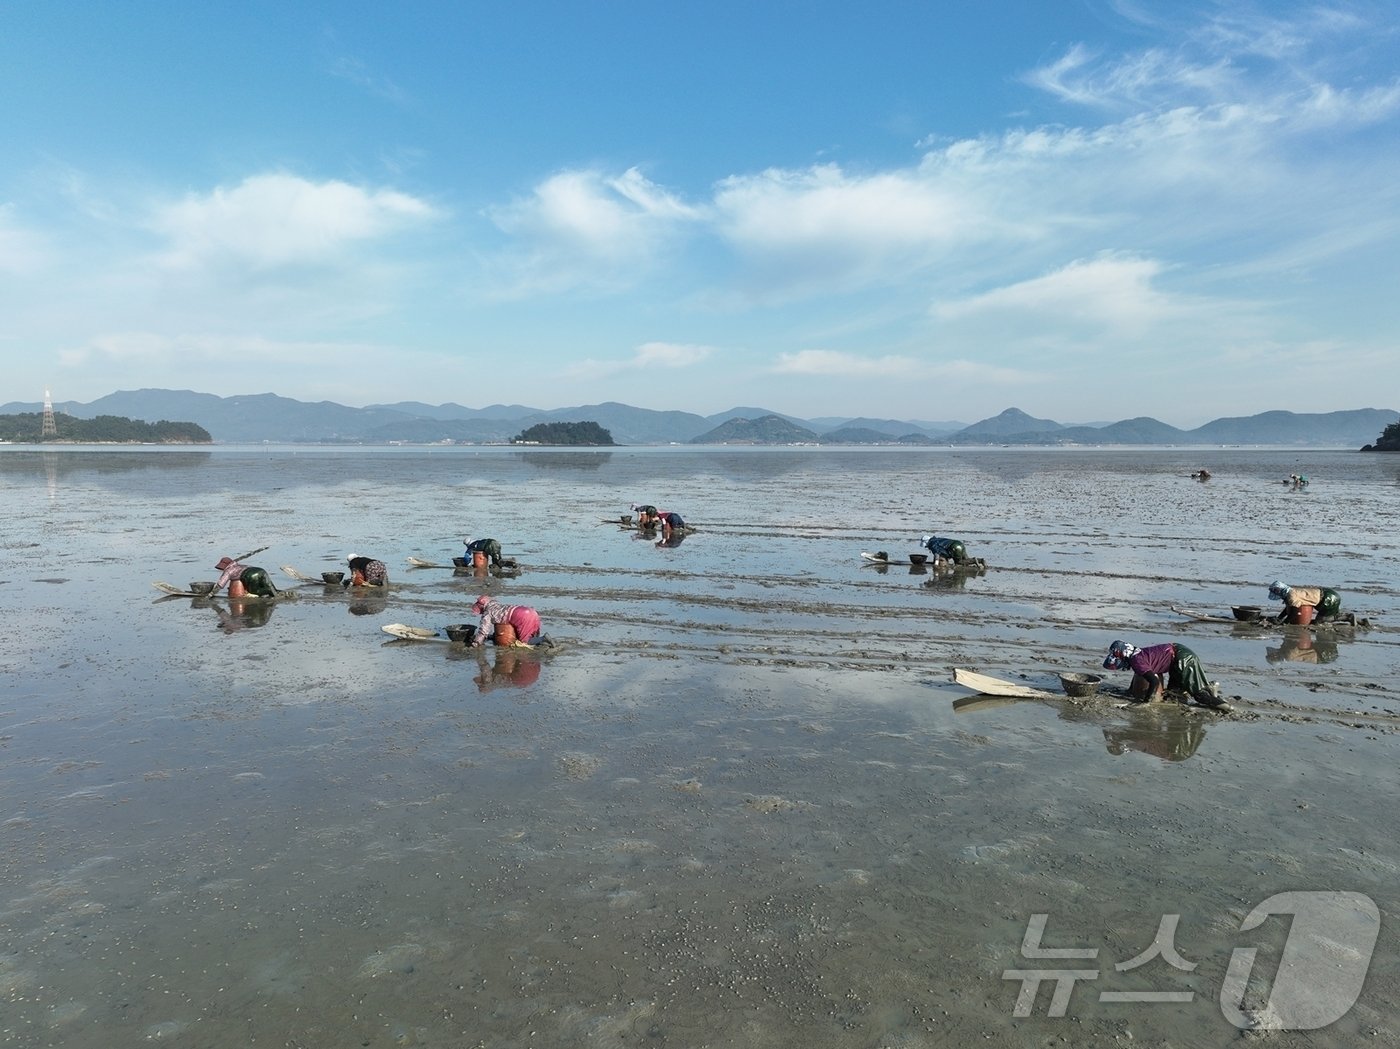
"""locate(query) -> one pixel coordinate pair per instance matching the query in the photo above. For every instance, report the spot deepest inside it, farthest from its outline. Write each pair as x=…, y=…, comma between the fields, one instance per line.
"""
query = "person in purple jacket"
x=1161, y=667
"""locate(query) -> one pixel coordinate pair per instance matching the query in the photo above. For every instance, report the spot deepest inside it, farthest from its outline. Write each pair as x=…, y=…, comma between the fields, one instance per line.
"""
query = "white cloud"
x=1112, y=290
x=277, y=220
x=834, y=363
x=583, y=228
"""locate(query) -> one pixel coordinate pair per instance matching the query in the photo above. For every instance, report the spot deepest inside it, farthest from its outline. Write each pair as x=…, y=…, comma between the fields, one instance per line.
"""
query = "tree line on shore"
x=28, y=428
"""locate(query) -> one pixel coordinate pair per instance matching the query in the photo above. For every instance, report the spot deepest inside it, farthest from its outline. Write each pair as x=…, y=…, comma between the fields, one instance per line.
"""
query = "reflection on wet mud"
x=1171, y=736
x=1304, y=648
x=240, y=615
x=512, y=668
x=566, y=460
x=369, y=604
x=53, y=463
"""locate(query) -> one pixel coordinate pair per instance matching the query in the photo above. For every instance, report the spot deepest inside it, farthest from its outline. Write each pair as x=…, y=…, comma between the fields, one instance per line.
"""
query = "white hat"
x=468, y=541
x=925, y=540
x=350, y=557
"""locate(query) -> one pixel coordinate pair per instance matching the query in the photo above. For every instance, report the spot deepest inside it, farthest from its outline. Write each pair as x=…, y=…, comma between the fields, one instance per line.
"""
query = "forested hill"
x=28, y=428
x=573, y=434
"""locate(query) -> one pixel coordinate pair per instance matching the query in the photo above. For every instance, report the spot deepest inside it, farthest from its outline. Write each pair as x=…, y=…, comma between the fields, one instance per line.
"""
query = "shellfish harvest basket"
x=1246, y=613
x=202, y=588
x=464, y=632
x=332, y=578
x=1080, y=685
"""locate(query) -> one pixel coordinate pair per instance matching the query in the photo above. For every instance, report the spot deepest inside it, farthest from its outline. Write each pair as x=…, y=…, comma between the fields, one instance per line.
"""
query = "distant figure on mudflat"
x=365, y=571
x=669, y=521
x=489, y=548
x=951, y=550
x=243, y=580
x=1311, y=604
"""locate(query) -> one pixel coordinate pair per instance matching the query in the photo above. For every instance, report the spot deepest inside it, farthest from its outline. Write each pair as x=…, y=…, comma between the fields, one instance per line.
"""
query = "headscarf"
x=1118, y=655
x=224, y=562
x=350, y=557
x=468, y=541
x=923, y=541
x=481, y=603
x=1279, y=591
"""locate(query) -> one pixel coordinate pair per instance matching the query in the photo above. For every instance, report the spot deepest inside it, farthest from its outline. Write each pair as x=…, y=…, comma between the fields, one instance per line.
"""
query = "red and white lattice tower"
x=48, y=429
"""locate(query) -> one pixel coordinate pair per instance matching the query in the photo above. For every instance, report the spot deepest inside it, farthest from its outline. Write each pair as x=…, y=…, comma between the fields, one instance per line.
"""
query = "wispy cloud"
x=834, y=363
x=648, y=355
x=1112, y=291
x=21, y=250
x=151, y=350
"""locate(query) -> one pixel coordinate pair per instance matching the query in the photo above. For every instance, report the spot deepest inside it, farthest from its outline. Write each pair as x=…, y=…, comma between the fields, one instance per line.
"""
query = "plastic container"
x=1301, y=615
x=478, y=559
x=505, y=634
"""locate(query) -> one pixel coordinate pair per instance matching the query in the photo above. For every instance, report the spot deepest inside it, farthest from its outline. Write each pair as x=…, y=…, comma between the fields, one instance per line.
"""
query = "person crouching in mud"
x=951, y=550
x=242, y=579
x=365, y=571
x=506, y=624
x=1161, y=667
x=489, y=548
x=1311, y=604
x=670, y=522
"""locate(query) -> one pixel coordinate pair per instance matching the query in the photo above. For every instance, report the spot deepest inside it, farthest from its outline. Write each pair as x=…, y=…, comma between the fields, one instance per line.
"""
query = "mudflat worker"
x=946, y=549
x=642, y=510
x=243, y=580
x=365, y=571
x=1159, y=668
x=490, y=548
x=668, y=520
x=506, y=624
x=1308, y=604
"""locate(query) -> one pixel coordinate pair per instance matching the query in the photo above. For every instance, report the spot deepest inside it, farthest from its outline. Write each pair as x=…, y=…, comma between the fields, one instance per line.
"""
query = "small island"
x=580, y=434
x=1388, y=441
x=28, y=428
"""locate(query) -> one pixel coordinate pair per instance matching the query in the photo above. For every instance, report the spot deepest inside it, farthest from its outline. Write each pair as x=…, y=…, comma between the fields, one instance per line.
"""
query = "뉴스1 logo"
x=1319, y=976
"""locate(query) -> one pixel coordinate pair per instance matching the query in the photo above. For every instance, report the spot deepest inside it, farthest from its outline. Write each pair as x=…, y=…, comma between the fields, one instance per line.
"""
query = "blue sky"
x=1086, y=209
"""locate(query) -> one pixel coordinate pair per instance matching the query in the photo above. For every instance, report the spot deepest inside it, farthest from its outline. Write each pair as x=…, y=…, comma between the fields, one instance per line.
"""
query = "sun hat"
x=1278, y=591
x=924, y=539
x=224, y=562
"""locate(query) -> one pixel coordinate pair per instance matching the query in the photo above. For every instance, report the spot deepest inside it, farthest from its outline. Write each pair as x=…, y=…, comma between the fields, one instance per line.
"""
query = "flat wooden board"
x=995, y=686
x=175, y=591
x=409, y=633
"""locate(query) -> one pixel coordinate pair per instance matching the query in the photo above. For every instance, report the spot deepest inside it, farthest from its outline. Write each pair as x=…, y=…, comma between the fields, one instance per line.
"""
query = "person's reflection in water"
x=673, y=539
x=1174, y=737
x=372, y=604
x=243, y=614
x=1303, y=649
x=948, y=578
x=512, y=669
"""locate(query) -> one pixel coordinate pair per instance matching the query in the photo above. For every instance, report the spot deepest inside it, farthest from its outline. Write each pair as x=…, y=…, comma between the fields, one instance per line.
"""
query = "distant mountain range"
x=263, y=417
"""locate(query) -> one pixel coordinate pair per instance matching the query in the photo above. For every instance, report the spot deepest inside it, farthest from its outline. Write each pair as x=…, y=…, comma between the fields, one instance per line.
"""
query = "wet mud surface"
x=741, y=803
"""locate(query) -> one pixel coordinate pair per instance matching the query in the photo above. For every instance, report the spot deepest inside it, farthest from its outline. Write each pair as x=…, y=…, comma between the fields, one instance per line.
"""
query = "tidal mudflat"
x=737, y=806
